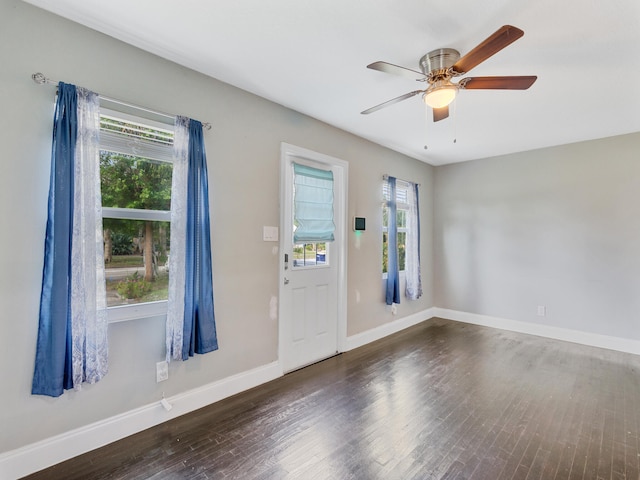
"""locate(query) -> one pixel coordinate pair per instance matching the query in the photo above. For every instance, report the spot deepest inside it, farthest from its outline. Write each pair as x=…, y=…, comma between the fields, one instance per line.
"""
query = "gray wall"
x=558, y=227
x=244, y=153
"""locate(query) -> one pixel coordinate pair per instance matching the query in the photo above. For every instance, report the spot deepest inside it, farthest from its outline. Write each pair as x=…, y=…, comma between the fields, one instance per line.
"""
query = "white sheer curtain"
x=413, y=289
x=175, y=303
x=88, y=291
x=191, y=326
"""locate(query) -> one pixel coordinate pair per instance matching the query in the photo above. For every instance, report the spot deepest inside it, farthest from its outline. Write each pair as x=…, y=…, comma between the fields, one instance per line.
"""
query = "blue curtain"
x=313, y=204
x=393, y=274
x=199, y=334
x=53, y=368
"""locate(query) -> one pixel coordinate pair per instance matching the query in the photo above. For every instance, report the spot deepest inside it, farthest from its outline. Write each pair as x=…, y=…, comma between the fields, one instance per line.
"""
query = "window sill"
x=124, y=313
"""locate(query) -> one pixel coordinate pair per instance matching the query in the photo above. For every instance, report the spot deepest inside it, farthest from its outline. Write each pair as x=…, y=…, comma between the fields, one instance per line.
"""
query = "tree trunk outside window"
x=108, y=246
x=148, y=251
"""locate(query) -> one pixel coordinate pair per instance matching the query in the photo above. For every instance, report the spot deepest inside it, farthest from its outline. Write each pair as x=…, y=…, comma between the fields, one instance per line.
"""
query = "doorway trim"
x=287, y=153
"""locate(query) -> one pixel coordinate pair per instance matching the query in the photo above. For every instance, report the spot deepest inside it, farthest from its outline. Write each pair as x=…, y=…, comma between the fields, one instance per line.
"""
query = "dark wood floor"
x=442, y=400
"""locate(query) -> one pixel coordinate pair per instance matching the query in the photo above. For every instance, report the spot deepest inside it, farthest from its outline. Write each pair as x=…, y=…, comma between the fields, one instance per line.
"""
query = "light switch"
x=270, y=234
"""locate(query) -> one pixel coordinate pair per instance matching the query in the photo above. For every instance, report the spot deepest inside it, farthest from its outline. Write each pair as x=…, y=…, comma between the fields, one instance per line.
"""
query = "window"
x=310, y=254
x=136, y=157
x=402, y=211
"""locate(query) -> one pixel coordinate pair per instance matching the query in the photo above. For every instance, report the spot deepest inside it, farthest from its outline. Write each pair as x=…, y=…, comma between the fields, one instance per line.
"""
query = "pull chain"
x=455, y=121
x=426, y=125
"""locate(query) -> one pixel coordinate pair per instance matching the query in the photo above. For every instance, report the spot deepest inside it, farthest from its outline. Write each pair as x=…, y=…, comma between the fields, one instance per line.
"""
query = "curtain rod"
x=40, y=79
x=386, y=177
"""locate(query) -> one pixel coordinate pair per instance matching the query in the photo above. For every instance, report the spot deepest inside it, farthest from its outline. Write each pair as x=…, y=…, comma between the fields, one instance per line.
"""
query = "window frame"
x=164, y=154
x=326, y=263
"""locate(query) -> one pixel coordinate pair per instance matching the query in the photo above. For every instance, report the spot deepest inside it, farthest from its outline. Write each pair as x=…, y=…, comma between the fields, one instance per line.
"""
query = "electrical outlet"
x=162, y=371
x=542, y=310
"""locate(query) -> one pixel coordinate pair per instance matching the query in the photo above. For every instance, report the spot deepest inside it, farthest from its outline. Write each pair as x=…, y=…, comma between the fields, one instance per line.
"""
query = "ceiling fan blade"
x=396, y=70
x=503, y=37
x=497, y=83
x=440, y=113
x=391, y=102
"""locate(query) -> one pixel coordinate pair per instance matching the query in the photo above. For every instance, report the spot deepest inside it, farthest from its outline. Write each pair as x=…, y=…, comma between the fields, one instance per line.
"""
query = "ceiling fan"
x=440, y=66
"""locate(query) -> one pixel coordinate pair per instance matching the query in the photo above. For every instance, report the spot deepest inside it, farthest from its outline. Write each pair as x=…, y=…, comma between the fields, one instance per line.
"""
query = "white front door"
x=312, y=276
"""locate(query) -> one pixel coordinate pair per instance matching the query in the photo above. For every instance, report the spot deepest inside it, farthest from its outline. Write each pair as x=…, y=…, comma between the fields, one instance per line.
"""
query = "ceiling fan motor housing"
x=436, y=63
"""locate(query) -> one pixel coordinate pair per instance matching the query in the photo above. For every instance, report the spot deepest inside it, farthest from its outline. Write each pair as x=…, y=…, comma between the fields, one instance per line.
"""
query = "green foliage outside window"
x=121, y=243
x=133, y=287
x=401, y=222
x=134, y=182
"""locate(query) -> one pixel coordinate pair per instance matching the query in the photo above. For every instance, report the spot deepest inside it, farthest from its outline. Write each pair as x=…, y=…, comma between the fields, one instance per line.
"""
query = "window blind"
x=313, y=205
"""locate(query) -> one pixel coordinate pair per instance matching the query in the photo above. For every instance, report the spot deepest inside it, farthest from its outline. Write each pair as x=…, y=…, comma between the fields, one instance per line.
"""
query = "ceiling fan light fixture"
x=438, y=96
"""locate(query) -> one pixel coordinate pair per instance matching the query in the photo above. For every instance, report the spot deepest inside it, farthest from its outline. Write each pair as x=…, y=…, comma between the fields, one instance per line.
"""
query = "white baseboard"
x=48, y=452
x=387, y=329
x=557, y=333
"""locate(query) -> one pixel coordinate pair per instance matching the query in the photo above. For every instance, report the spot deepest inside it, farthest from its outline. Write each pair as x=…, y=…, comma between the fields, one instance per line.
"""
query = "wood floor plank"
x=439, y=401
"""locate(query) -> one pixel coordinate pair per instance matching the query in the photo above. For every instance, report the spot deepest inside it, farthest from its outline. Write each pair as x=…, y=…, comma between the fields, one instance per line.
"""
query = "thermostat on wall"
x=358, y=223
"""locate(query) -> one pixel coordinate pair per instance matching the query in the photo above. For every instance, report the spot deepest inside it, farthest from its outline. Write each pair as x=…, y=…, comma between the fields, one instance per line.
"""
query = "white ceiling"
x=311, y=57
